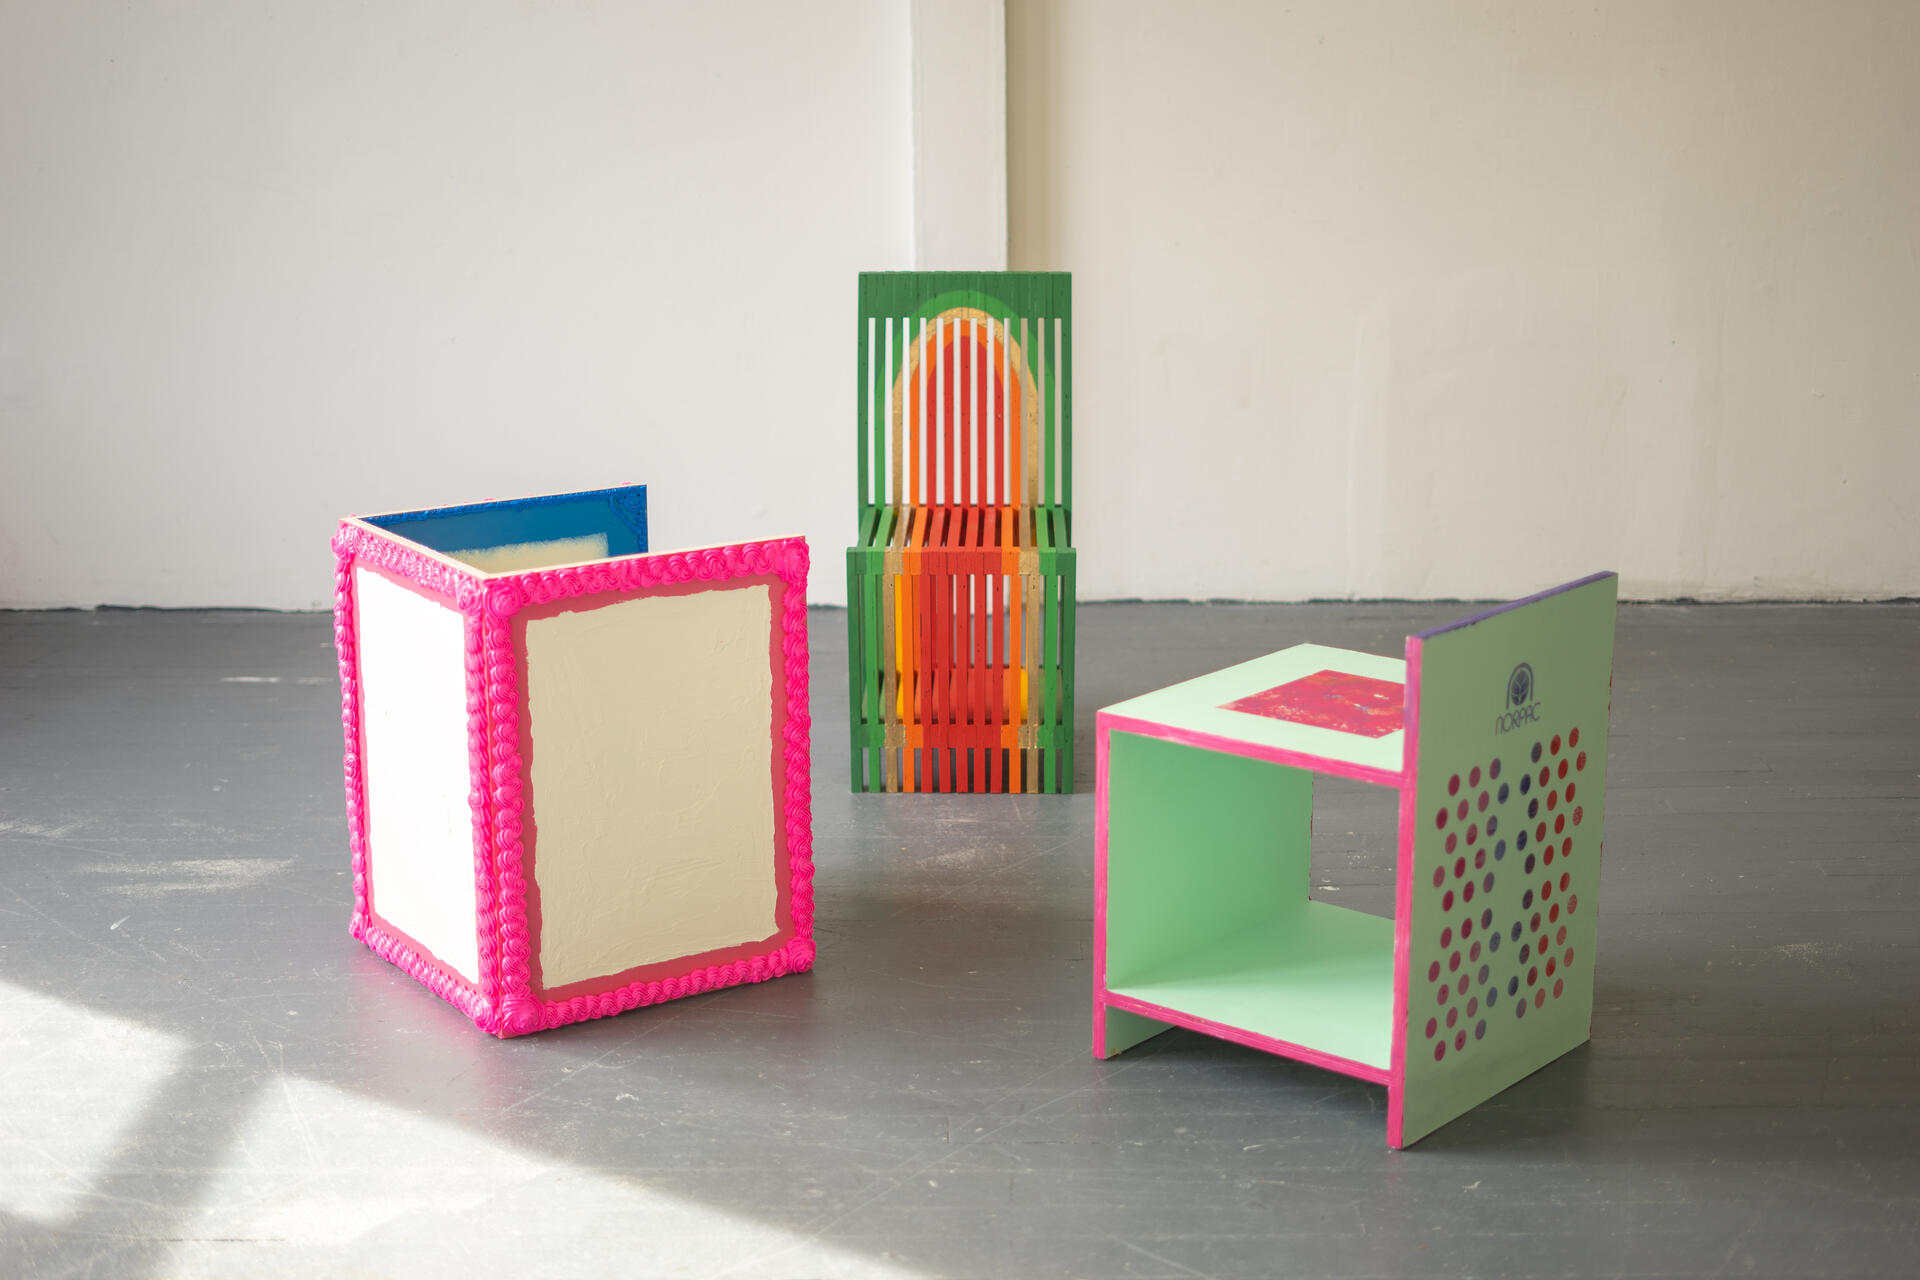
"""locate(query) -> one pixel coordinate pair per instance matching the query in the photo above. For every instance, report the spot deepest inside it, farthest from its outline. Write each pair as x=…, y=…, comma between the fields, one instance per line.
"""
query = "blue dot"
x=1486, y=917
x=1526, y=900
x=1525, y=950
x=1533, y=807
x=1536, y=753
x=1529, y=866
x=1520, y=1010
x=1520, y=842
x=1480, y=1029
x=1516, y=931
x=1486, y=886
x=1526, y=783
x=1513, y=985
x=1483, y=975
x=1493, y=942
x=1499, y=850
x=1493, y=997
x=1503, y=793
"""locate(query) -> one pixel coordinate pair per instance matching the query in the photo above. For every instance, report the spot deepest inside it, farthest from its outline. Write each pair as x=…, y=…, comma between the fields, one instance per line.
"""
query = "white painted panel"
x=414, y=717
x=515, y=557
x=652, y=779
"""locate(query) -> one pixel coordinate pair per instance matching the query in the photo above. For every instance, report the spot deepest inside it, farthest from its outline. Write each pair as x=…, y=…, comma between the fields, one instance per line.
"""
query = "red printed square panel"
x=1332, y=700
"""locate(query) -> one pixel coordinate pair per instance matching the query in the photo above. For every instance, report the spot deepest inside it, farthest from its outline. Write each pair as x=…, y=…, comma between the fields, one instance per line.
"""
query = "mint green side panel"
x=1483, y=1010
x=1200, y=846
x=1125, y=1030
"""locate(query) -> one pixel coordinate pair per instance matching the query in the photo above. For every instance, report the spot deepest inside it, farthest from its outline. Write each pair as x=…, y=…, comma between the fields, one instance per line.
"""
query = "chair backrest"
x=966, y=389
x=1500, y=830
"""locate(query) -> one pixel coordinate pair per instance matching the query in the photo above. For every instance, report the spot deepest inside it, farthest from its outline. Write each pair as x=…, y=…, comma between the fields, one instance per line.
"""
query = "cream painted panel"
x=414, y=715
x=651, y=779
x=517, y=556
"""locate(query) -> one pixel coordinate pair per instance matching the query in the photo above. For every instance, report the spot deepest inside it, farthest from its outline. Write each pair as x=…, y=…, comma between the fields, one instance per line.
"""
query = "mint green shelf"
x=1322, y=980
x=1198, y=706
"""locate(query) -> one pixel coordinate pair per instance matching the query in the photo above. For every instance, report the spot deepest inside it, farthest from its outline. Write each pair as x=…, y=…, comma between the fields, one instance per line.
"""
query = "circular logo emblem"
x=1520, y=686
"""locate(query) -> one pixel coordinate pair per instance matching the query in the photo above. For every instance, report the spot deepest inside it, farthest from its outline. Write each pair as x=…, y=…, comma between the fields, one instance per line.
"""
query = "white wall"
x=1373, y=299
x=1460, y=299
x=264, y=264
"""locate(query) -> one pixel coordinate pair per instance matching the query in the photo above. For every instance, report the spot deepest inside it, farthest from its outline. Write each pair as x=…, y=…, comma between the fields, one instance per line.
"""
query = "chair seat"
x=914, y=530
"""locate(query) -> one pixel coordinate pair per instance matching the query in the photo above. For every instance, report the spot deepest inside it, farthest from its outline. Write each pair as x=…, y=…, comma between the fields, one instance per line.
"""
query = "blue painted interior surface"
x=621, y=514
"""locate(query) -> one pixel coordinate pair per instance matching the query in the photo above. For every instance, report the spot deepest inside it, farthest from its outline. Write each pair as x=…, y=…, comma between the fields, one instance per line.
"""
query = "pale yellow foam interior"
x=652, y=783
x=516, y=557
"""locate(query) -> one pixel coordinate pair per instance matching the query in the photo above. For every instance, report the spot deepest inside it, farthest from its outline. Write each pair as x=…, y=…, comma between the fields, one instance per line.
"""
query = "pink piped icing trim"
x=505, y=1003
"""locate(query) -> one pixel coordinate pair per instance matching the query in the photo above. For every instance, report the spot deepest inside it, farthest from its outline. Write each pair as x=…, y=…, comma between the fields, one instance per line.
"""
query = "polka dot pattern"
x=1528, y=909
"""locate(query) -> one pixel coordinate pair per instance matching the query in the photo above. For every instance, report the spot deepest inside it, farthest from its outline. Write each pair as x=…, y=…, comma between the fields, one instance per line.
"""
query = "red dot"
x=1466, y=928
x=1573, y=738
x=1453, y=785
x=1554, y=914
x=1540, y=832
x=1439, y=876
x=1453, y=1017
x=1553, y=799
x=1473, y=776
x=1554, y=746
x=1453, y=842
x=1565, y=877
x=1493, y=770
x=1474, y=954
x=1459, y=867
x=1570, y=787
x=1579, y=812
x=1461, y=812
x=1440, y=818
x=1453, y=962
x=1552, y=964
x=1539, y=997
x=1545, y=774
x=1473, y=832
x=1536, y=922
x=1463, y=984
x=1439, y=1051
x=1558, y=985
x=1548, y=856
x=1580, y=761
x=1561, y=937
x=1573, y=903
x=1444, y=992
x=1446, y=900
x=1433, y=1025
x=1473, y=1005
x=1460, y=1039
x=1546, y=890
x=1533, y=975
x=1466, y=894
x=1566, y=847
x=1569, y=958
x=1563, y=768
x=1479, y=859
x=1446, y=936
x=1559, y=823
x=1485, y=800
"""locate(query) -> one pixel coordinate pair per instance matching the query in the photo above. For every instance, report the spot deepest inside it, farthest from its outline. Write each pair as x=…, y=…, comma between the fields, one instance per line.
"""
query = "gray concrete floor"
x=202, y=1075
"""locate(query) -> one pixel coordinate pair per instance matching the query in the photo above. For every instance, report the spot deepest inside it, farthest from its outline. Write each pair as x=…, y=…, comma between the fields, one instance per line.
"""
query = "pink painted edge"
x=1252, y=1039
x=1099, y=887
x=1240, y=747
x=518, y=1010
x=1403, y=897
